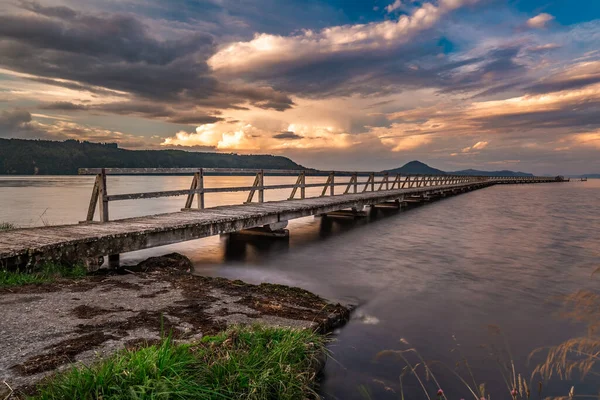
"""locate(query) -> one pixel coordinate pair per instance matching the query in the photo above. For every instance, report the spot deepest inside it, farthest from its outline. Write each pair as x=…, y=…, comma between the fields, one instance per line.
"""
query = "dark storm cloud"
x=14, y=119
x=364, y=73
x=151, y=110
x=582, y=116
x=388, y=71
x=244, y=18
x=560, y=85
x=119, y=52
x=18, y=124
x=73, y=85
x=288, y=135
x=491, y=75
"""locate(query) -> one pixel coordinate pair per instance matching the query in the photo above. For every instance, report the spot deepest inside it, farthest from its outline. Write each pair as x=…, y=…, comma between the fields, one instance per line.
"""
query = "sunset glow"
x=449, y=82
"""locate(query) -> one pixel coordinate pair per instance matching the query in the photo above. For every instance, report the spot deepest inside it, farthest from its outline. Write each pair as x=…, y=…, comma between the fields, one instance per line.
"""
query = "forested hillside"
x=44, y=157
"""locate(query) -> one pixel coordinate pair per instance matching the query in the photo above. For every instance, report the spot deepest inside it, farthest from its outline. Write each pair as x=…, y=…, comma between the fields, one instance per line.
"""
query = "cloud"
x=266, y=50
x=476, y=146
x=544, y=47
x=588, y=139
x=480, y=145
x=539, y=21
x=64, y=106
x=287, y=135
x=152, y=110
x=396, y=5
x=399, y=137
x=13, y=119
x=575, y=76
x=20, y=124
x=120, y=52
x=245, y=137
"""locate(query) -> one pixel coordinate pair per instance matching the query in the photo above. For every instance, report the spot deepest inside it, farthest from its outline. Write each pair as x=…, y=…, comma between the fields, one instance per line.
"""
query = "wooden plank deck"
x=91, y=240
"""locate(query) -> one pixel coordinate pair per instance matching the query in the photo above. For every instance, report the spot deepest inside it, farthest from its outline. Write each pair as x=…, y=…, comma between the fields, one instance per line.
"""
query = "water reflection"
x=252, y=248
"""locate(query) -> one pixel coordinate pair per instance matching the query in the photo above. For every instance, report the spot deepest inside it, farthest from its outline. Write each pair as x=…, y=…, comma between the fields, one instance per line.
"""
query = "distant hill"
x=419, y=168
x=474, y=172
x=416, y=168
x=591, y=176
x=45, y=157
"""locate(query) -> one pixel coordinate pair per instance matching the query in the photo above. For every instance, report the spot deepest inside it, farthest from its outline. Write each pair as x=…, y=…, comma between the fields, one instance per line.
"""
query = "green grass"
x=6, y=226
x=47, y=273
x=242, y=363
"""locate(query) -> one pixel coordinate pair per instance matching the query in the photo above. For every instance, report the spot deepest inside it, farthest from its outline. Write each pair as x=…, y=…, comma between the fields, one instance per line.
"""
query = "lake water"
x=494, y=257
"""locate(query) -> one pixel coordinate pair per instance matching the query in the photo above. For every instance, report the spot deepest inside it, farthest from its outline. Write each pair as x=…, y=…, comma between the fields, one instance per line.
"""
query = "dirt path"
x=45, y=328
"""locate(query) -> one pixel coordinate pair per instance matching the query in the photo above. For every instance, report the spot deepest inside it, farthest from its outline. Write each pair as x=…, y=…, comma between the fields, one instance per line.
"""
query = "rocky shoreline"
x=49, y=327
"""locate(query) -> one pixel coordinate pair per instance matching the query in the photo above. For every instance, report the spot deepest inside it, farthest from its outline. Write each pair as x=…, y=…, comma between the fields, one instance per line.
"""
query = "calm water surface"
x=498, y=256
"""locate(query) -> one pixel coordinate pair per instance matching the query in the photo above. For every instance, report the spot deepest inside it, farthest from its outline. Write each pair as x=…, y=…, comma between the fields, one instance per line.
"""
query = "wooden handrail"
x=100, y=197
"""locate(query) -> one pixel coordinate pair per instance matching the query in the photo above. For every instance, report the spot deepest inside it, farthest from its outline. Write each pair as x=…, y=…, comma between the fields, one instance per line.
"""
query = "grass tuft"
x=6, y=226
x=242, y=363
x=48, y=273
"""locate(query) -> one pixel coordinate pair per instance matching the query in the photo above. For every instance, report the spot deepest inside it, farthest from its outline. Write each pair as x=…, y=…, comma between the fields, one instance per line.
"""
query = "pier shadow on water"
x=240, y=248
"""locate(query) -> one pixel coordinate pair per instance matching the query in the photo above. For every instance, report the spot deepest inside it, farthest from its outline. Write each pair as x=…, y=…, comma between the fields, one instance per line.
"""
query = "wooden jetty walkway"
x=91, y=240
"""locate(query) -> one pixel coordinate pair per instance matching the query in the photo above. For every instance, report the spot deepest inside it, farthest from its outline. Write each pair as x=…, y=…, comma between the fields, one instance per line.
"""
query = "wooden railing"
x=100, y=197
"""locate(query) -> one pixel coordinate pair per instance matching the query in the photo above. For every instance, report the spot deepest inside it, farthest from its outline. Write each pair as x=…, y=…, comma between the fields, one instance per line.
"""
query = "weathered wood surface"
x=75, y=242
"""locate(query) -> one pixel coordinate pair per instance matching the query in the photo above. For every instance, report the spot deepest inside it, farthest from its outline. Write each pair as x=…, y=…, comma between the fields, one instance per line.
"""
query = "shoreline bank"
x=47, y=328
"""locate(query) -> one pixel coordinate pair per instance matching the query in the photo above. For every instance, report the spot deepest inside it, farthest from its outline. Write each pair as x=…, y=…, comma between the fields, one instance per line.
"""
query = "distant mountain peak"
x=417, y=167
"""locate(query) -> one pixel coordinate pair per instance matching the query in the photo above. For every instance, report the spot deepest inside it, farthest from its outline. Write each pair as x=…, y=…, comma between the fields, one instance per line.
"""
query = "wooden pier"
x=91, y=240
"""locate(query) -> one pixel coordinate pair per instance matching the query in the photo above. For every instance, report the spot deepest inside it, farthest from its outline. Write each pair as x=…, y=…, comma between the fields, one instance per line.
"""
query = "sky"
x=332, y=84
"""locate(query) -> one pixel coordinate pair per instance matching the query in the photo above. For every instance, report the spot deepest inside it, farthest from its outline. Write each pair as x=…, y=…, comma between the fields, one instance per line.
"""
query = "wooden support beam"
x=94, y=199
x=351, y=183
x=328, y=184
x=254, y=186
x=371, y=179
x=193, y=187
x=296, y=186
x=385, y=181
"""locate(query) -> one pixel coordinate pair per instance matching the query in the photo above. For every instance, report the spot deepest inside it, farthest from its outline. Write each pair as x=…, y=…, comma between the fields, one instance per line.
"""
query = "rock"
x=93, y=264
x=173, y=260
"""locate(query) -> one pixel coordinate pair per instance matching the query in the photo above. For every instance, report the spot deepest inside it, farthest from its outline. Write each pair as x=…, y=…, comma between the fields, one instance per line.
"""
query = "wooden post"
x=355, y=182
x=103, y=195
x=303, y=185
x=332, y=187
x=114, y=260
x=372, y=181
x=261, y=183
x=200, y=187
